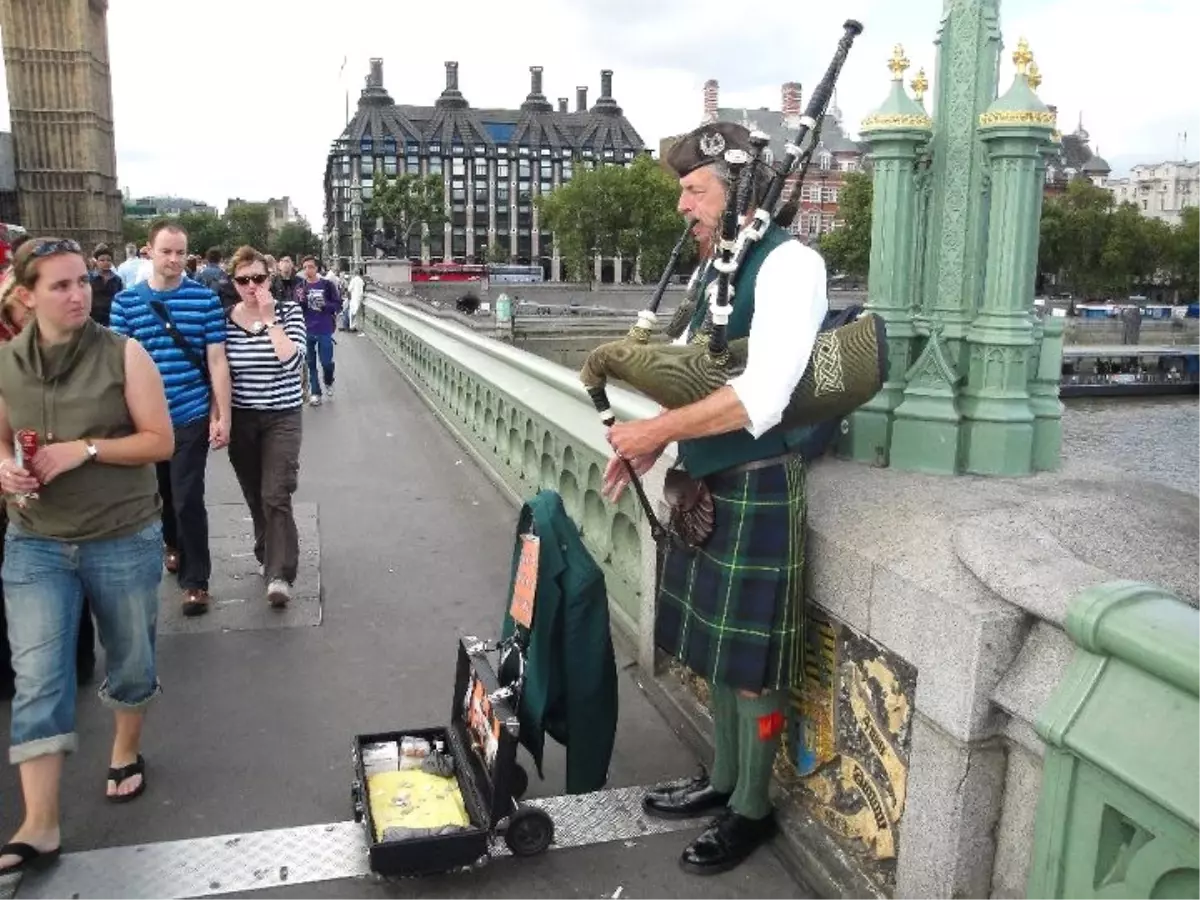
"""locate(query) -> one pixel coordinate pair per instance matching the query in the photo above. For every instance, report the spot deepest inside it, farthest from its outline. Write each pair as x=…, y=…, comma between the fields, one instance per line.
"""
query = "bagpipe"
x=848, y=364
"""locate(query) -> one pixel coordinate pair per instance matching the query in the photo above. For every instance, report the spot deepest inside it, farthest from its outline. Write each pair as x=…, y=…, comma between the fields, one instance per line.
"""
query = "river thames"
x=1152, y=437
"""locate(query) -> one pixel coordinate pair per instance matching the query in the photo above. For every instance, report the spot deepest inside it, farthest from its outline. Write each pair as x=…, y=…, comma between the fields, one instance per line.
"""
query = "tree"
x=405, y=203
x=294, y=239
x=248, y=223
x=134, y=231
x=1185, y=254
x=614, y=209
x=847, y=249
x=498, y=252
x=205, y=230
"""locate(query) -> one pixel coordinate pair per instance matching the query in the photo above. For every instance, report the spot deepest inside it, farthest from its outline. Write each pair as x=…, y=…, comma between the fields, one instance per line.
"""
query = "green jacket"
x=571, y=671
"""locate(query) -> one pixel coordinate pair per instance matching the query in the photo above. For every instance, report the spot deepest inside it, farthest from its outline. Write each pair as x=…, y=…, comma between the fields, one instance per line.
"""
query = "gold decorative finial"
x=898, y=63
x=1034, y=75
x=1022, y=56
x=920, y=84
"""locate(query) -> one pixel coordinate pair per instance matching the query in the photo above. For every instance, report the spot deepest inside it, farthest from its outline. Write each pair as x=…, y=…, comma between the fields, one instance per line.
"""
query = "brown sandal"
x=171, y=560
x=195, y=602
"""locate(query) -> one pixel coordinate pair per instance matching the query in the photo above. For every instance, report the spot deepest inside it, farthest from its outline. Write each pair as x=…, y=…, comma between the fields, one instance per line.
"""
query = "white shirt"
x=356, y=290
x=135, y=270
x=790, y=304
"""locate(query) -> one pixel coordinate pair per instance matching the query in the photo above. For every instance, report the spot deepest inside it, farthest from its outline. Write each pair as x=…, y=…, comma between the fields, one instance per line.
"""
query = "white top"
x=790, y=304
x=356, y=289
x=260, y=380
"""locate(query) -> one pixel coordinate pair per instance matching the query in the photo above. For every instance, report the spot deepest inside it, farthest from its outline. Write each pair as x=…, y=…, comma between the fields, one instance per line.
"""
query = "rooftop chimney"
x=605, y=102
x=562, y=104
x=451, y=97
x=535, y=79
x=536, y=101
x=605, y=83
x=710, y=100
x=581, y=98
x=791, y=102
x=452, y=76
x=375, y=79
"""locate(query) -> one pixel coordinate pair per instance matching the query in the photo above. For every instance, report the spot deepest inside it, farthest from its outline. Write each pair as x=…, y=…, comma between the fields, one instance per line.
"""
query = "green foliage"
x=205, y=231
x=1185, y=254
x=248, y=224
x=294, y=239
x=498, y=252
x=407, y=201
x=133, y=231
x=847, y=249
x=611, y=210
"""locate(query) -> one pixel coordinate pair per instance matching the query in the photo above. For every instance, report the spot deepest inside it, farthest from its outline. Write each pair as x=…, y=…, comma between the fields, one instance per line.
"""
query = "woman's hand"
x=266, y=303
x=55, y=459
x=15, y=480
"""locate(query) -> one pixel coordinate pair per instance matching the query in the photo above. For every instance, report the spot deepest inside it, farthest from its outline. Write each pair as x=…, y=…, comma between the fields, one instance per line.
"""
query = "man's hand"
x=616, y=474
x=218, y=433
x=55, y=459
x=632, y=439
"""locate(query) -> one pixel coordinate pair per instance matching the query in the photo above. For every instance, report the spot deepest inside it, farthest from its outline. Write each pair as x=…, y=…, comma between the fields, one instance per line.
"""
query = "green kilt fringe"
x=731, y=611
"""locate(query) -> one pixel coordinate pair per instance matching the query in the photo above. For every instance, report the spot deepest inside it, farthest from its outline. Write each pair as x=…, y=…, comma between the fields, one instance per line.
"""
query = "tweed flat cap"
x=705, y=145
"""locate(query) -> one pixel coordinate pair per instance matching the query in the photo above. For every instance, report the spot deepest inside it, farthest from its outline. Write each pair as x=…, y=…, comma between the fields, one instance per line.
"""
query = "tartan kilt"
x=731, y=611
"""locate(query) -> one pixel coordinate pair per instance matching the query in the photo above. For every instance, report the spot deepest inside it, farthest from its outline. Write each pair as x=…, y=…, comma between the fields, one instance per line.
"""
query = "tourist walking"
x=88, y=412
x=265, y=341
x=106, y=284
x=357, y=288
x=182, y=325
x=322, y=302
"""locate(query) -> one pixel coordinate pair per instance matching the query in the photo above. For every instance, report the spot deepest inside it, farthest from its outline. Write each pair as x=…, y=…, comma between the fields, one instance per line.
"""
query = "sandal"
x=171, y=560
x=31, y=857
x=123, y=774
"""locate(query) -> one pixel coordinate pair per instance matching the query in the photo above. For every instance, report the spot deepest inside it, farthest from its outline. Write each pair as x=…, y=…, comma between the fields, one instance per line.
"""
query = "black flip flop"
x=32, y=859
x=125, y=772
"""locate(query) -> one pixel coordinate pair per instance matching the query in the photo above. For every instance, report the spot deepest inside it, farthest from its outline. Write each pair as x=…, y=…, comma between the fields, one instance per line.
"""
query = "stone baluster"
x=893, y=134
x=998, y=420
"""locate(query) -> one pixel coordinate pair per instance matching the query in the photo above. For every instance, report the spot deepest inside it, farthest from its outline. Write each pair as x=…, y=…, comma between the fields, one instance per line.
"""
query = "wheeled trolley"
x=481, y=739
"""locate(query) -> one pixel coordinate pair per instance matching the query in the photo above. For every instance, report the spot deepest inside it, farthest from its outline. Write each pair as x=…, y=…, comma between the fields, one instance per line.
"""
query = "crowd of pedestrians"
x=116, y=384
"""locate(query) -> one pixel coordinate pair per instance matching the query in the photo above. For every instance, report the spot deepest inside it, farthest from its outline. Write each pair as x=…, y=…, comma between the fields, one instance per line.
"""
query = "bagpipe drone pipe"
x=848, y=364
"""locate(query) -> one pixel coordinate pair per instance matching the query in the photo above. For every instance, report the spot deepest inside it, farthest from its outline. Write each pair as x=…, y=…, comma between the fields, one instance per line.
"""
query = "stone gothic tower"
x=60, y=97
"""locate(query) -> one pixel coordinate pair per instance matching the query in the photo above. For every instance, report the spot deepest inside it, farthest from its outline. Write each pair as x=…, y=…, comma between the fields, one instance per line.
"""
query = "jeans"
x=44, y=584
x=322, y=345
x=184, y=515
x=264, y=450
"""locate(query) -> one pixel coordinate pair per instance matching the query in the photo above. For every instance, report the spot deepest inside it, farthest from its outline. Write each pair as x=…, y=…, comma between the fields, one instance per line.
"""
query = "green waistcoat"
x=65, y=393
x=704, y=456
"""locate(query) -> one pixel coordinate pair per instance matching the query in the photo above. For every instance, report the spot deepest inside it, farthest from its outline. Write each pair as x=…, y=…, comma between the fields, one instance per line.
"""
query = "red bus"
x=449, y=272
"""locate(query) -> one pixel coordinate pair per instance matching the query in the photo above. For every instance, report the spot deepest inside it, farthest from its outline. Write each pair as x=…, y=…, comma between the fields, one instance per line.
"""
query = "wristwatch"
x=92, y=452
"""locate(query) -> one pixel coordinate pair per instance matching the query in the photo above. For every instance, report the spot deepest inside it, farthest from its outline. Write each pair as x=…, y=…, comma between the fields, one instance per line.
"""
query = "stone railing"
x=529, y=423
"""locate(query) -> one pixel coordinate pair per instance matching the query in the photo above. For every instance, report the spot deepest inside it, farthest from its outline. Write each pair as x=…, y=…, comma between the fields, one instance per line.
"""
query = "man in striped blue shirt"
x=182, y=326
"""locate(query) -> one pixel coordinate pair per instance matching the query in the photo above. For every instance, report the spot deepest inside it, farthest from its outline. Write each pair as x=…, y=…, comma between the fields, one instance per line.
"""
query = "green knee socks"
x=747, y=737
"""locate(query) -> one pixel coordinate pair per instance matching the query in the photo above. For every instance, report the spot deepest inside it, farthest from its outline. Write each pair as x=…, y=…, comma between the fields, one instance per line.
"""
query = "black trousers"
x=184, y=515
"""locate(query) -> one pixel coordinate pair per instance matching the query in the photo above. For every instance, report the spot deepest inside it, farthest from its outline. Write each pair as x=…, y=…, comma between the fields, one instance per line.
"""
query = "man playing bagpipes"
x=729, y=602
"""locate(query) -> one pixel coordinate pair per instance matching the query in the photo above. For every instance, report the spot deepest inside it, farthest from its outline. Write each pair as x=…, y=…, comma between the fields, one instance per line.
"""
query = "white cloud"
x=245, y=100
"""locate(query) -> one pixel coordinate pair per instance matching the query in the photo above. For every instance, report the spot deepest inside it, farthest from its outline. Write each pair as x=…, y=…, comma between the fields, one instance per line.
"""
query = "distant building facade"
x=280, y=211
x=836, y=153
x=494, y=163
x=147, y=208
x=1159, y=190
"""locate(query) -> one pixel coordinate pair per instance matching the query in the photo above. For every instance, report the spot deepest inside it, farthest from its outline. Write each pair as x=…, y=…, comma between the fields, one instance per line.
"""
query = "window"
x=435, y=147
x=523, y=191
x=458, y=167
x=458, y=194
x=481, y=168
x=481, y=193
x=365, y=146
x=545, y=151
x=523, y=168
x=389, y=165
x=826, y=160
x=412, y=165
x=502, y=170
x=567, y=169
x=546, y=187
x=456, y=149
x=480, y=150
x=566, y=152
x=435, y=165
x=608, y=154
x=502, y=151
x=522, y=150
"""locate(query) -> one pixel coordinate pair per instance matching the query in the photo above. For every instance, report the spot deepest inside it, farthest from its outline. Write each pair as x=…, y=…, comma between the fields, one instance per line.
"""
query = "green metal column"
x=998, y=421
x=893, y=134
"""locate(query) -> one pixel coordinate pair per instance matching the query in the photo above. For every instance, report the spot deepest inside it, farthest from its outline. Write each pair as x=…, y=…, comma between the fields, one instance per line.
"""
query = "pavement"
x=407, y=547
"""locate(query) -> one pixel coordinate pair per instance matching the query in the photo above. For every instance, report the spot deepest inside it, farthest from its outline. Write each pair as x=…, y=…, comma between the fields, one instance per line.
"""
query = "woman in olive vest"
x=83, y=512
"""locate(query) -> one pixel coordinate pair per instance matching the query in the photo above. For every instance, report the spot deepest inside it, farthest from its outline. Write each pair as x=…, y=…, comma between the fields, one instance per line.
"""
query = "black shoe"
x=683, y=799
x=726, y=843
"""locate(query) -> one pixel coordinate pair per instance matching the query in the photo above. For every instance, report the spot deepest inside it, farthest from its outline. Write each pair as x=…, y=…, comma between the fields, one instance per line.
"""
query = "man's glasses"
x=244, y=280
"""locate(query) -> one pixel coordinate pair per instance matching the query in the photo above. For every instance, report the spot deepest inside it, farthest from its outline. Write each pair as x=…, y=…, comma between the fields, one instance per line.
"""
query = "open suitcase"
x=481, y=737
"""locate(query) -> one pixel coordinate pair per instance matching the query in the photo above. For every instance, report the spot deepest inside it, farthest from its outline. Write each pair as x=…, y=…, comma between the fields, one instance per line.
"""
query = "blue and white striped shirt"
x=200, y=319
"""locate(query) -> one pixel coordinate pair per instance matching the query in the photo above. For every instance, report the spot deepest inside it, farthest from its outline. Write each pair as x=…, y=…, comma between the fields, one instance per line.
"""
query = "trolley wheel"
x=518, y=781
x=530, y=832
x=356, y=800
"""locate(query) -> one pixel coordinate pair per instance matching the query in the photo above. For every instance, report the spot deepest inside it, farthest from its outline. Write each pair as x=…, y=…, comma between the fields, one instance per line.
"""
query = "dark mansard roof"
x=452, y=120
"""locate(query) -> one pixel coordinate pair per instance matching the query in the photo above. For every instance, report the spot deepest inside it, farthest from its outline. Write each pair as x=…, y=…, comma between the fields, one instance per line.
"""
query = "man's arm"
x=118, y=318
x=218, y=365
x=790, y=304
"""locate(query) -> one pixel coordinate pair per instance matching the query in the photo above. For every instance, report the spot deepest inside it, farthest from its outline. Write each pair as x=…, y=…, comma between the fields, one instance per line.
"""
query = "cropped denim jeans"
x=44, y=584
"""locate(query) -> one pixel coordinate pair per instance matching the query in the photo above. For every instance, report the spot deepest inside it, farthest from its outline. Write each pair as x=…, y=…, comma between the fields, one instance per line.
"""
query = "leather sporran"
x=691, y=503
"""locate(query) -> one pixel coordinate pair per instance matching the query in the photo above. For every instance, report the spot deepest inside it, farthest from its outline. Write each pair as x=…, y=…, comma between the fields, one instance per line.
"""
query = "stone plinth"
x=968, y=581
x=391, y=273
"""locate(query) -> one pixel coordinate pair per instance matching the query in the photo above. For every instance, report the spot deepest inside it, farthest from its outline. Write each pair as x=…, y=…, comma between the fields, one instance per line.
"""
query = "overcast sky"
x=241, y=98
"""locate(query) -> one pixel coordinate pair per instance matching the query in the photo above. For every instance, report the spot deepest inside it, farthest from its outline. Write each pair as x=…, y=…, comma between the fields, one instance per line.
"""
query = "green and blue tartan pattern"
x=732, y=610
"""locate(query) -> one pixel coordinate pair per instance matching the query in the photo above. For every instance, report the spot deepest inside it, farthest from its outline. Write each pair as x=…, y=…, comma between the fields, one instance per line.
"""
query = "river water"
x=1157, y=438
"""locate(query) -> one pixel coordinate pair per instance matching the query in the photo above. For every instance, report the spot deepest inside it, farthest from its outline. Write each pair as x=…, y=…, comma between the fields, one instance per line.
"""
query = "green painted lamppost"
x=998, y=420
x=894, y=134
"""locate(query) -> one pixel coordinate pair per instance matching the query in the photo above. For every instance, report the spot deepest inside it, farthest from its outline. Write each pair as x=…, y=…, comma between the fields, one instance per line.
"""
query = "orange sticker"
x=525, y=584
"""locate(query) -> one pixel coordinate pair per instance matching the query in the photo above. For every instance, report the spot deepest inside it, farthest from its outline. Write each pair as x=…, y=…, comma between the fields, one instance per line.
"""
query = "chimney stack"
x=710, y=100
x=791, y=101
x=375, y=79
x=606, y=82
x=562, y=104
x=452, y=76
x=581, y=98
x=535, y=80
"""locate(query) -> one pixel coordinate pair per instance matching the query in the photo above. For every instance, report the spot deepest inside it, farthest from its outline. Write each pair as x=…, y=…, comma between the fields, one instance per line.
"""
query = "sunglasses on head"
x=49, y=248
x=244, y=280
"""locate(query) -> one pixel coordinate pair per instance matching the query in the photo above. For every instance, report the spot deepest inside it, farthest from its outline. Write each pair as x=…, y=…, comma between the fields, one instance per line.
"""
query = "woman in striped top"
x=265, y=347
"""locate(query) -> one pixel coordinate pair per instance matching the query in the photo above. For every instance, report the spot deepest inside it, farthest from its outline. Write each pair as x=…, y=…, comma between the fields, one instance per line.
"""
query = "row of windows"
x=389, y=165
